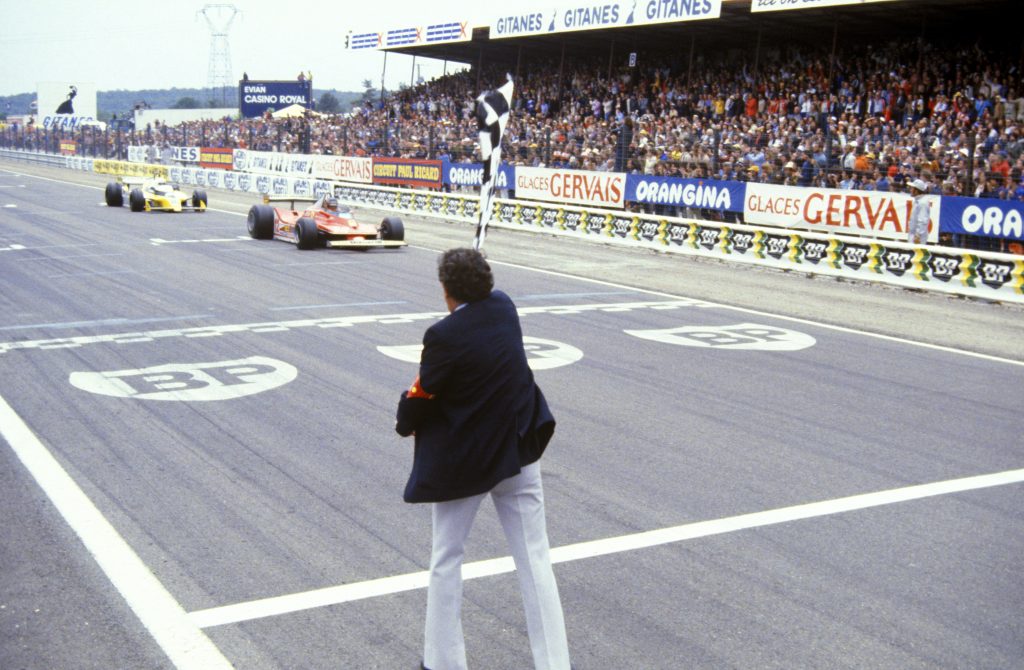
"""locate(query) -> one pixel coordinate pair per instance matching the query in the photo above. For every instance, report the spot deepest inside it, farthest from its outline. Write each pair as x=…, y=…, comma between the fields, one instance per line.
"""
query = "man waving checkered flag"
x=492, y=110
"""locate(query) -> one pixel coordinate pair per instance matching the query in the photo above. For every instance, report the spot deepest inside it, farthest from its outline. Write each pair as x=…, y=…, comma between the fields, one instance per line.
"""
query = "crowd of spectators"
x=874, y=118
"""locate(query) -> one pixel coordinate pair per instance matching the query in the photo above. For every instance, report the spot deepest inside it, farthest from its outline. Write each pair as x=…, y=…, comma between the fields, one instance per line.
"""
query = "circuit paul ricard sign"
x=255, y=98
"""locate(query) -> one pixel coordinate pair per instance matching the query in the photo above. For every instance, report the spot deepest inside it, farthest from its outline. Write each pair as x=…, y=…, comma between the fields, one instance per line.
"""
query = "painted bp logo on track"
x=750, y=336
x=221, y=380
x=540, y=354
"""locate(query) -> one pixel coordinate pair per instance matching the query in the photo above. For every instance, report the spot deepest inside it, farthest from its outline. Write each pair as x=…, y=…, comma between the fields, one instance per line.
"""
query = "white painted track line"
x=257, y=609
x=185, y=644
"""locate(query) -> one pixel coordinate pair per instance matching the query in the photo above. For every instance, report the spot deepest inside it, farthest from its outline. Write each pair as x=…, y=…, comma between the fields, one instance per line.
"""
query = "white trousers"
x=519, y=501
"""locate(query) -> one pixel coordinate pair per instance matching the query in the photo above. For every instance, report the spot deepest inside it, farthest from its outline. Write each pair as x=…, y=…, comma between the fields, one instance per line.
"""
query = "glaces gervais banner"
x=357, y=169
x=581, y=187
x=863, y=213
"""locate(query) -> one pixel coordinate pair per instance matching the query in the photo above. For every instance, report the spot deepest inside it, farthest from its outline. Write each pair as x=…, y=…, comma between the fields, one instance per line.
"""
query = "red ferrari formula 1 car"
x=324, y=223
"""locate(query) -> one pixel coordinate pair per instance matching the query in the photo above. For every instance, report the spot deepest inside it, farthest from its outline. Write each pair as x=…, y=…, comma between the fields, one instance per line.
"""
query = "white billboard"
x=438, y=32
x=65, y=105
x=582, y=15
x=343, y=168
x=830, y=211
x=781, y=5
x=577, y=187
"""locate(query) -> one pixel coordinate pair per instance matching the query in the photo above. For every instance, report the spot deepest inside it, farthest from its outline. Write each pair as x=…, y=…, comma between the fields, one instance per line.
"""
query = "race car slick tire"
x=136, y=201
x=260, y=222
x=305, y=233
x=199, y=197
x=392, y=228
x=114, y=195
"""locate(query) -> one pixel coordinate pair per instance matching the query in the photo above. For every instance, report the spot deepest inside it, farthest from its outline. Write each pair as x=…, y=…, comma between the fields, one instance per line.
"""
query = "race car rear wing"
x=288, y=198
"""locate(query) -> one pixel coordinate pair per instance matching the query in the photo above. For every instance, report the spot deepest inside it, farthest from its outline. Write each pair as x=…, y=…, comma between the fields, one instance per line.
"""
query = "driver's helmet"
x=331, y=203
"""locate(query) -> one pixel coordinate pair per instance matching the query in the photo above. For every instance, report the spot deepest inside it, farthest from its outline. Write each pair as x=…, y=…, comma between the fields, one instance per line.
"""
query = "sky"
x=156, y=44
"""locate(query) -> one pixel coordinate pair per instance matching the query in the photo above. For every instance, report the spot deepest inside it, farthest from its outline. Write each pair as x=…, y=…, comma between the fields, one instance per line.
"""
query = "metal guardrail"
x=34, y=157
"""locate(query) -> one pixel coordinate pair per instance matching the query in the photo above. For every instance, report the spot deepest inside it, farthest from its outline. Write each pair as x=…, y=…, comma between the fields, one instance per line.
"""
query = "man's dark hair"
x=465, y=274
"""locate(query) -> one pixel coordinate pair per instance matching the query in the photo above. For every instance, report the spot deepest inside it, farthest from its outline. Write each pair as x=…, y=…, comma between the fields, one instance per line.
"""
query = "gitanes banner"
x=65, y=105
x=722, y=196
x=578, y=187
x=472, y=174
x=515, y=20
x=150, y=154
x=863, y=213
x=256, y=97
x=983, y=216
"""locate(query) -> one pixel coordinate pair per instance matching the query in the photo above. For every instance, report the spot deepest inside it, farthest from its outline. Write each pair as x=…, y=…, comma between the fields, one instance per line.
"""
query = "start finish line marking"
x=334, y=595
x=331, y=322
x=156, y=241
x=185, y=644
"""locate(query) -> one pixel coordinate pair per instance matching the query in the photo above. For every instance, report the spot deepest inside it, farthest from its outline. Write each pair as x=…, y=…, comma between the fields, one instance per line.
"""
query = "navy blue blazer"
x=487, y=419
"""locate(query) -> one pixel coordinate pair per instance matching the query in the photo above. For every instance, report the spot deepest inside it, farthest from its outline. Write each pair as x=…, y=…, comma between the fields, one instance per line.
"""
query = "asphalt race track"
x=752, y=469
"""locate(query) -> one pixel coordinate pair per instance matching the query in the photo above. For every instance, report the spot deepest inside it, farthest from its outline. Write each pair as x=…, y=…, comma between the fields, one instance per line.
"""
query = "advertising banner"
x=944, y=269
x=780, y=5
x=580, y=187
x=407, y=172
x=457, y=30
x=144, y=154
x=186, y=154
x=126, y=169
x=581, y=15
x=65, y=105
x=256, y=97
x=722, y=196
x=246, y=160
x=472, y=174
x=983, y=216
x=357, y=169
x=221, y=158
x=863, y=213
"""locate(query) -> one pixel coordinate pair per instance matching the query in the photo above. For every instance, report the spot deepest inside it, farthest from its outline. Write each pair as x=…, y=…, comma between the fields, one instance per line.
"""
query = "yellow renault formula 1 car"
x=149, y=195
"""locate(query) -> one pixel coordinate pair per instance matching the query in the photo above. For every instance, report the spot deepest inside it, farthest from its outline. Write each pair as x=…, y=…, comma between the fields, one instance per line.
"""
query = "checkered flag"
x=492, y=110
